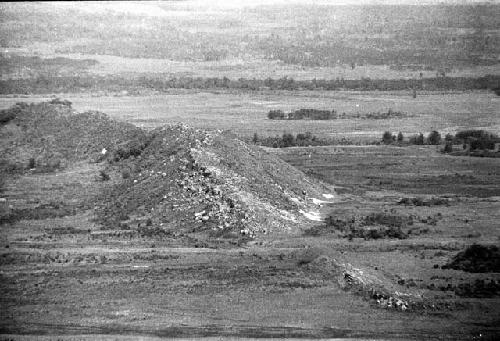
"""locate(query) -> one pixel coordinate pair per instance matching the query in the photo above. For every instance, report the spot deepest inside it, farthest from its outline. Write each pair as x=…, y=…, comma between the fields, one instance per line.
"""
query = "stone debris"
x=196, y=180
x=373, y=288
x=314, y=216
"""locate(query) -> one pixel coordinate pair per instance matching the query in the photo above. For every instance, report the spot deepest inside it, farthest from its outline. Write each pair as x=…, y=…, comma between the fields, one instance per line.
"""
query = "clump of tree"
x=477, y=139
x=388, y=138
x=434, y=138
x=302, y=114
x=276, y=115
x=474, y=138
x=384, y=115
x=290, y=140
x=320, y=114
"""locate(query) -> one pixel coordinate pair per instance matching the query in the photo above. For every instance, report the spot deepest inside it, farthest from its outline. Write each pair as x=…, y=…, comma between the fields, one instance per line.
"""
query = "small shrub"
x=448, y=147
x=400, y=137
x=125, y=174
x=103, y=175
x=31, y=163
x=255, y=138
x=7, y=115
x=59, y=101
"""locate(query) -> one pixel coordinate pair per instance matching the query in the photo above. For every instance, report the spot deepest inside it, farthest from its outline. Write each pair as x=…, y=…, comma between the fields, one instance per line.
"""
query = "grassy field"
x=66, y=276
x=245, y=113
x=232, y=68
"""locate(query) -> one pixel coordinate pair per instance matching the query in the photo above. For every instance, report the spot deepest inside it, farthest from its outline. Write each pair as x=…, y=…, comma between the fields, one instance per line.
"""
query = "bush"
x=276, y=115
x=478, y=139
x=400, y=137
x=255, y=138
x=387, y=137
x=130, y=148
x=31, y=163
x=300, y=140
x=125, y=174
x=448, y=147
x=477, y=134
x=59, y=101
x=7, y=115
x=476, y=258
x=417, y=139
x=434, y=138
x=288, y=140
x=103, y=175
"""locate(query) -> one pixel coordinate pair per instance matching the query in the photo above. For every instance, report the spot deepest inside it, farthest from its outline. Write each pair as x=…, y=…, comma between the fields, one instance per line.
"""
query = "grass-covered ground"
x=64, y=274
x=245, y=112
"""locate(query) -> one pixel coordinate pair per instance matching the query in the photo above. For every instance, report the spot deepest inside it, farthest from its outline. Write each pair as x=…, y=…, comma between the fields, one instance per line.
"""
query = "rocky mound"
x=174, y=180
x=190, y=180
x=476, y=258
x=52, y=134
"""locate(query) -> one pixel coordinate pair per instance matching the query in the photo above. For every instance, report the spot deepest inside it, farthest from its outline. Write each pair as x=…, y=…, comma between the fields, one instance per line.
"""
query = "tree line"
x=60, y=84
x=476, y=139
x=322, y=114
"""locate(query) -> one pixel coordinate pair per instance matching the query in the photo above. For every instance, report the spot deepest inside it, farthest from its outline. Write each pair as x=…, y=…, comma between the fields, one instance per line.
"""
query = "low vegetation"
x=471, y=140
x=94, y=83
x=317, y=114
x=377, y=225
x=476, y=258
x=299, y=140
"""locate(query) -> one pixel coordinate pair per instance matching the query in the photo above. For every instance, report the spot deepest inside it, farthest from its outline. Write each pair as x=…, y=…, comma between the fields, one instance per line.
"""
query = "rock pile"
x=190, y=180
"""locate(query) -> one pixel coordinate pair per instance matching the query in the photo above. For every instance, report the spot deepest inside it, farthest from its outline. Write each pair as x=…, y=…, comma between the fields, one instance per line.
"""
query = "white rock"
x=315, y=216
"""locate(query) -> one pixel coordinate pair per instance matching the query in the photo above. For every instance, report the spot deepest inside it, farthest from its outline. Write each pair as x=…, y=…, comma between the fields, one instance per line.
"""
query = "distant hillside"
x=436, y=37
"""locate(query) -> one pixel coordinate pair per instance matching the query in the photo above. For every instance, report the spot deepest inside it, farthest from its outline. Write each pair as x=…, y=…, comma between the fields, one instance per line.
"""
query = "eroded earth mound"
x=191, y=180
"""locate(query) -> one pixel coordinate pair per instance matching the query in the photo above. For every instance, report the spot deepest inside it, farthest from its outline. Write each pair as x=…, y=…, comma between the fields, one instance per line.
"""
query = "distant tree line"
x=299, y=140
x=321, y=114
x=46, y=84
x=476, y=139
x=302, y=114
